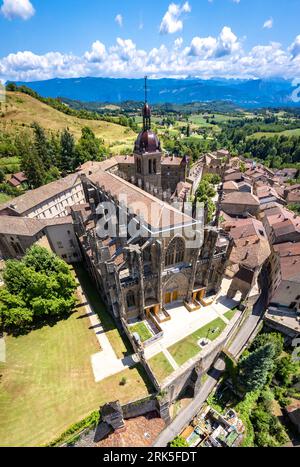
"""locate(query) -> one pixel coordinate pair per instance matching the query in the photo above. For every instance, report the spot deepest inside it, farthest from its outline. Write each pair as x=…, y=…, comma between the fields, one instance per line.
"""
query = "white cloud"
x=17, y=9
x=225, y=44
x=220, y=56
x=172, y=21
x=268, y=24
x=119, y=20
x=294, y=49
x=178, y=43
x=97, y=53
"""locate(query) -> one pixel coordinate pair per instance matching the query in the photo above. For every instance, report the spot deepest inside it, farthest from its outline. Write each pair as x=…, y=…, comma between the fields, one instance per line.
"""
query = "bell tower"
x=147, y=152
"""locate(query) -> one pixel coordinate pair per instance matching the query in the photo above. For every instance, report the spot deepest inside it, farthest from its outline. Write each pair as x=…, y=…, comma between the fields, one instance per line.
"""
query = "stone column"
x=164, y=410
x=142, y=287
x=193, y=275
x=160, y=262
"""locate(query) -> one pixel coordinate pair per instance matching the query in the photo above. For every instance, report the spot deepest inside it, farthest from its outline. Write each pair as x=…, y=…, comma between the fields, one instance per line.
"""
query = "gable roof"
x=32, y=198
x=156, y=213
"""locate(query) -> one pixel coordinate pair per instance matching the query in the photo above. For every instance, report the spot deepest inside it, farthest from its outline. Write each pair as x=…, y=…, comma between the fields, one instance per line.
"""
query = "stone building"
x=169, y=257
x=48, y=201
x=17, y=234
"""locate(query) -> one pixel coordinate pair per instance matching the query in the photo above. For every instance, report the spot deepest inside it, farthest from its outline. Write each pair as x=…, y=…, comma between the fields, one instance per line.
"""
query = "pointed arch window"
x=175, y=252
x=130, y=299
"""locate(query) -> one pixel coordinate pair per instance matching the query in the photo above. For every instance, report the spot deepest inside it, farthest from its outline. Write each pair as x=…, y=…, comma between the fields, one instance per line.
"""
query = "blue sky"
x=43, y=39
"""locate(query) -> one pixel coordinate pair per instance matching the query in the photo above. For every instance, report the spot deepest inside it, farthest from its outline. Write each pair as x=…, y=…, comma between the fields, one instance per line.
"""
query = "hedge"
x=71, y=435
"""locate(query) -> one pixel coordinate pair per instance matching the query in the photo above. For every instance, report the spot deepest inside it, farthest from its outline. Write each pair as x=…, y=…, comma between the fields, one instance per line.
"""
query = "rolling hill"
x=21, y=110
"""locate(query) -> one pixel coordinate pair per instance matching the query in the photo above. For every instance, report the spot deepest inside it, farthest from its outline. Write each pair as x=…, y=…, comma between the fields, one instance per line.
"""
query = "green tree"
x=270, y=338
x=2, y=176
x=89, y=148
x=41, y=145
x=286, y=370
x=179, y=442
x=255, y=368
x=68, y=160
x=38, y=287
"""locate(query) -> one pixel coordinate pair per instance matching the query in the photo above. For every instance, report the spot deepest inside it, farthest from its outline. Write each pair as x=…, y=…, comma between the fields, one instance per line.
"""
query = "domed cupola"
x=147, y=141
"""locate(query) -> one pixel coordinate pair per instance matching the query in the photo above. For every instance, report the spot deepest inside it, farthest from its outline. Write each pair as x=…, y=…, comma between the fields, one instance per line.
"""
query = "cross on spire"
x=146, y=89
x=146, y=110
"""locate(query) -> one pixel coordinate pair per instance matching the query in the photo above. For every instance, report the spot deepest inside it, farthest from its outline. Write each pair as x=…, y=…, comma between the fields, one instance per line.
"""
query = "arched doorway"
x=175, y=289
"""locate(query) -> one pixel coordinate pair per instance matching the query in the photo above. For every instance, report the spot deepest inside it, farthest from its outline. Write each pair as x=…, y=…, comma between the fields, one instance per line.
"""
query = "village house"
x=281, y=225
x=236, y=204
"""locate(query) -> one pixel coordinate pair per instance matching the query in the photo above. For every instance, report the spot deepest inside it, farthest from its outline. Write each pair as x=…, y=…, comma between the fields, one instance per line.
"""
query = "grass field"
x=160, y=366
x=261, y=134
x=47, y=383
x=120, y=343
x=188, y=348
x=230, y=314
x=21, y=110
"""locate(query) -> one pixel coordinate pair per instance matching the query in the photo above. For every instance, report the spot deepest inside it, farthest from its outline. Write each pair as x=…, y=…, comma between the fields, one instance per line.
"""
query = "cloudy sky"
x=42, y=39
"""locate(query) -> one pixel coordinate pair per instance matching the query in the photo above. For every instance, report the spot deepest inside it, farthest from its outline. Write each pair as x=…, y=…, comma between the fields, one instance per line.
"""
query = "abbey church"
x=138, y=276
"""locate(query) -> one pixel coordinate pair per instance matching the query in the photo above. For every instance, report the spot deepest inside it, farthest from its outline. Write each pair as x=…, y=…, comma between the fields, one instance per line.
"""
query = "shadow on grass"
x=142, y=372
x=94, y=299
x=39, y=324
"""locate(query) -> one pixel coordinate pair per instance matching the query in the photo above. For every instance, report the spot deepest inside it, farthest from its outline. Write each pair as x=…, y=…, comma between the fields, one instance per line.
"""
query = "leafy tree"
x=38, y=287
x=89, y=148
x=34, y=170
x=179, y=442
x=41, y=145
x=270, y=338
x=255, y=368
x=52, y=175
x=286, y=369
x=67, y=152
x=2, y=176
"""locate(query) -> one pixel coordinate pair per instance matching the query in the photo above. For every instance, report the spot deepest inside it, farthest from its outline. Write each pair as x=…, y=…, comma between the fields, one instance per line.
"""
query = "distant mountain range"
x=244, y=93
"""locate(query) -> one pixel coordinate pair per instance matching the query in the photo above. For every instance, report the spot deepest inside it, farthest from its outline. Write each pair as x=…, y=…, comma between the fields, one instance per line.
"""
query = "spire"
x=146, y=90
x=146, y=110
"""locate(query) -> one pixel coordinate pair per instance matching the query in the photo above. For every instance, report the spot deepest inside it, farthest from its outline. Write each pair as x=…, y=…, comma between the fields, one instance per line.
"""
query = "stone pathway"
x=170, y=359
x=104, y=363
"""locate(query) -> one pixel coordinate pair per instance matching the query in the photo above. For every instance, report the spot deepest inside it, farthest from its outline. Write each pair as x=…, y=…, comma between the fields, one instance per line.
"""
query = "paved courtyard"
x=183, y=323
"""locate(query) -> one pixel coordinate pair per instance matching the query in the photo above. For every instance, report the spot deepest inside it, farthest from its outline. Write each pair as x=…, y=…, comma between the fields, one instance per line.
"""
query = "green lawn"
x=117, y=338
x=188, y=348
x=230, y=314
x=47, y=383
x=161, y=366
x=142, y=330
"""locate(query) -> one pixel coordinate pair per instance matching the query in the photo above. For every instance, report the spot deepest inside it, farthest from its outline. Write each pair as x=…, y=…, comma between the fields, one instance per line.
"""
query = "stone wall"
x=140, y=407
